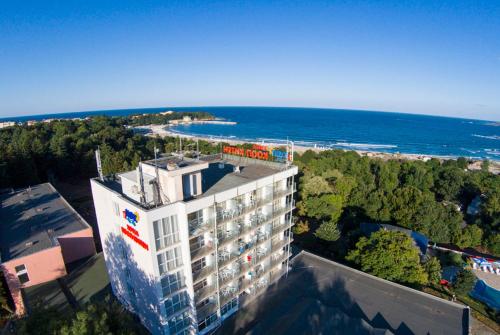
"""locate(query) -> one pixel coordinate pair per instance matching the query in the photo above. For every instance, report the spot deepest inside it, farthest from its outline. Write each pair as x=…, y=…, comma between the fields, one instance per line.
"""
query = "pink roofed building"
x=40, y=233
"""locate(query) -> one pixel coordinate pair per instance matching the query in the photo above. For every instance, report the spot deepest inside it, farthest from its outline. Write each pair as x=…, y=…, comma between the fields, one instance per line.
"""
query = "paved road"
x=322, y=297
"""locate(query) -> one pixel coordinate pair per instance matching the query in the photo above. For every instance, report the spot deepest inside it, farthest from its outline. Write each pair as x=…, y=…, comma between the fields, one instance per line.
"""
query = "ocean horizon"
x=335, y=128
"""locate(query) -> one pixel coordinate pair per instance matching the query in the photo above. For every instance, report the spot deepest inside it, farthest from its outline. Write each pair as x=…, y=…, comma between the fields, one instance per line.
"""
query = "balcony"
x=228, y=237
x=197, y=226
x=203, y=273
x=275, y=246
x=228, y=293
x=201, y=252
x=204, y=293
x=284, y=192
x=203, y=312
x=281, y=227
x=226, y=215
x=226, y=257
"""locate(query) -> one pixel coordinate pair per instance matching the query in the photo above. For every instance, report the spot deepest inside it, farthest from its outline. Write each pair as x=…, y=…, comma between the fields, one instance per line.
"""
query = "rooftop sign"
x=261, y=152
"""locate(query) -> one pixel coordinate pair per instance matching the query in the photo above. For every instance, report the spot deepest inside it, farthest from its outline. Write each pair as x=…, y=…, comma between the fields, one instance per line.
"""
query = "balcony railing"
x=203, y=273
x=285, y=191
x=203, y=312
x=201, y=252
x=197, y=226
x=226, y=258
x=204, y=293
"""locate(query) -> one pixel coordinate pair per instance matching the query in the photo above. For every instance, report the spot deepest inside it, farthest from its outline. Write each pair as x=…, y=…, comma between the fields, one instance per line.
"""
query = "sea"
x=336, y=128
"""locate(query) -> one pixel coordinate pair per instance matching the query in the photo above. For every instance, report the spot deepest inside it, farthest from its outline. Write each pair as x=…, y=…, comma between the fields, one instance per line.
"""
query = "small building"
x=39, y=234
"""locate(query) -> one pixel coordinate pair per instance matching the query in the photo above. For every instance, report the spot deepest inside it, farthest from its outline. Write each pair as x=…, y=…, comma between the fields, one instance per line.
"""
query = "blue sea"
x=339, y=128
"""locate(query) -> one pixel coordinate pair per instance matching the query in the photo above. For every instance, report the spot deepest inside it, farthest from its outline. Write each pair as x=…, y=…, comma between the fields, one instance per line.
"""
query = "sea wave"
x=365, y=145
x=491, y=137
x=492, y=152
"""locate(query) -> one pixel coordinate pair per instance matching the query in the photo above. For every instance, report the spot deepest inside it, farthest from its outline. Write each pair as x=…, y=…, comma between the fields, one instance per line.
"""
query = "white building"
x=187, y=252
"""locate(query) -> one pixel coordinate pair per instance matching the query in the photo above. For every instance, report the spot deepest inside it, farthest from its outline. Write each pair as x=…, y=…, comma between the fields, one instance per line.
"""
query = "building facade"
x=189, y=241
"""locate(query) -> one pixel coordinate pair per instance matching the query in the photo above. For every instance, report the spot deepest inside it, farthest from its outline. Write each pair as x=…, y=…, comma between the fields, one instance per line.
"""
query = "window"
x=196, y=243
x=196, y=217
x=166, y=232
x=169, y=260
x=199, y=265
x=200, y=285
x=207, y=322
x=229, y=306
x=178, y=323
x=176, y=303
x=22, y=273
x=172, y=283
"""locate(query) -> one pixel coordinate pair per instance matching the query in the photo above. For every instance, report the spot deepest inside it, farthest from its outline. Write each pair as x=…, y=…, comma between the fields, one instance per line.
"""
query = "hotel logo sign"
x=132, y=219
x=261, y=152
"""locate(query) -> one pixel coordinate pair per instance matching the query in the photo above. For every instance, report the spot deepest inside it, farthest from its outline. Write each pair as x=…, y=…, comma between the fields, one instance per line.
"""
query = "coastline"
x=164, y=131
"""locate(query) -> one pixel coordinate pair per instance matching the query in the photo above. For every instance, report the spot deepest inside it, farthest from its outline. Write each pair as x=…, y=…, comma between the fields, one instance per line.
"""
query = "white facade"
x=187, y=264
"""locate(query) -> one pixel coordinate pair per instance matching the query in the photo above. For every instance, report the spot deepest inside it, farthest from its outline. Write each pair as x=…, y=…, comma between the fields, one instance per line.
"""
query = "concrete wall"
x=77, y=245
x=42, y=267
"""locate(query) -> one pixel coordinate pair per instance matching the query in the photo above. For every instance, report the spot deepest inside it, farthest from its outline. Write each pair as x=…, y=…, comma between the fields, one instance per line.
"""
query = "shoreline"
x=163, y=131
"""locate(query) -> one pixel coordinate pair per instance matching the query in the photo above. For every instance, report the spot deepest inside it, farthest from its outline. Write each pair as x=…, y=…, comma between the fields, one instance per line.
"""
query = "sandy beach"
x=163, y=131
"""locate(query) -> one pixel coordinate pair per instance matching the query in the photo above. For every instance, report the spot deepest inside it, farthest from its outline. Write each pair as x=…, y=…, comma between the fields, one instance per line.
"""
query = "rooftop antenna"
x=99, y=164
x=156, y=150
x=197, y=150
x=141, y=185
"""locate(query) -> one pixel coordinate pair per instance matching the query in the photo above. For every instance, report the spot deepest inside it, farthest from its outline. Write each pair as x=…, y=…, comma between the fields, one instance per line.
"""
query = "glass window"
x=196, y=243
x=172, y=282
x=207, y=322
x=178, y=323
x=23, y=278
x=166, y=232
x=22, y=273
x=198, y=286
x=176, y=303
x=229, y=306
x=199, y=265
x=169, y=260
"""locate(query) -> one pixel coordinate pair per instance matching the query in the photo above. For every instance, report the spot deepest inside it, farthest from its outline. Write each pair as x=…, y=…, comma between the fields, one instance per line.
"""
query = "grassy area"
x=89, y=282
x=479, y=311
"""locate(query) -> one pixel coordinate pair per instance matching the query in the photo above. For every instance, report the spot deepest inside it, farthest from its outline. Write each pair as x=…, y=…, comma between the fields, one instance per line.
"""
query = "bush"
x=464, y=283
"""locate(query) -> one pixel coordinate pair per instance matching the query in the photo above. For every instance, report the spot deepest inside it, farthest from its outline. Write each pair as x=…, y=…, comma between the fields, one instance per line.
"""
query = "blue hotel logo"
x=131, y=217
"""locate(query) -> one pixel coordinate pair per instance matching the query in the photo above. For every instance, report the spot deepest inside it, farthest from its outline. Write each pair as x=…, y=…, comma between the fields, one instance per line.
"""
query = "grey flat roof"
x=324, y=297
x=31, y=219
x=218, y=179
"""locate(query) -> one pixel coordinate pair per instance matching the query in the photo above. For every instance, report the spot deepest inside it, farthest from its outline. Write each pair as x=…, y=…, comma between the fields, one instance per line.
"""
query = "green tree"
x=322, y=207
x=4, y=300
x=390, y=255
x=433, y=269
x=312, y=185
x=464, y=282
x=470, y=236
x=328, y=231
x=301, y=227
x=493, y=244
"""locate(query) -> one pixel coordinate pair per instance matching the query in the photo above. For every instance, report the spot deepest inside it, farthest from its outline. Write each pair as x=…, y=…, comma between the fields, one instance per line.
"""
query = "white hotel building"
x=189, y=241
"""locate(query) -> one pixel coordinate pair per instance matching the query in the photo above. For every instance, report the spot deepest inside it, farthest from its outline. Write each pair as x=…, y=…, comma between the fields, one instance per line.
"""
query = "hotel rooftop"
x=218, y=173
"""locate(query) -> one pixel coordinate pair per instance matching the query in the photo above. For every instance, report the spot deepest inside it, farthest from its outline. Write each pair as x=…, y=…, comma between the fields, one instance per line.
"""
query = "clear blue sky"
x=430, y=57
